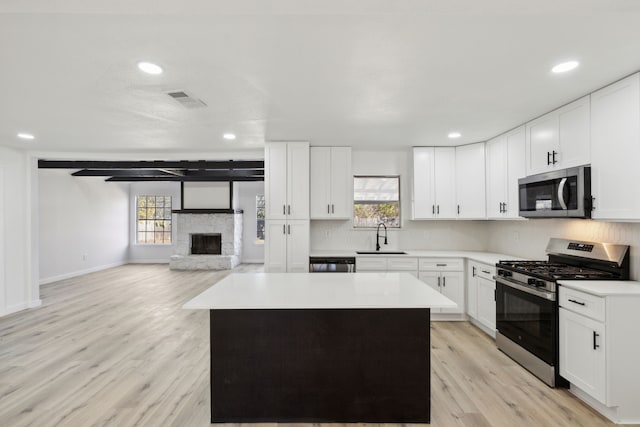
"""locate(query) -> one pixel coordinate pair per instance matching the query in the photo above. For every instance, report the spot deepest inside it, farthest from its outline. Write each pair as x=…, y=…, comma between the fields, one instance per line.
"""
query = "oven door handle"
x=546, y=295
x=563, y=204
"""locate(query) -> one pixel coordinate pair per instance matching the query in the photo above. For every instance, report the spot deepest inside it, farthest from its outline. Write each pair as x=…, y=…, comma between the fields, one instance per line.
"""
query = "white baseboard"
x=149, y=261
x=19, y=307
x=79, y=273
x=252, y=261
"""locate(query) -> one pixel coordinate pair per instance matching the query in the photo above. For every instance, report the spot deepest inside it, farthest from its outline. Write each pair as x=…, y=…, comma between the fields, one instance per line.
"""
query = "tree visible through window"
x=376, y=199
x=153, y=219
x=260, y=218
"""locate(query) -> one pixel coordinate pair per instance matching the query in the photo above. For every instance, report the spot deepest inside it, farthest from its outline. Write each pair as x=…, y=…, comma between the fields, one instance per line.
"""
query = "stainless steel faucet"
x=378, y=235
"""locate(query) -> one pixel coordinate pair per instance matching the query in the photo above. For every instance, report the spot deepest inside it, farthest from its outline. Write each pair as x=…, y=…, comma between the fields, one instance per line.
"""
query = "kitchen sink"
x=381, y=252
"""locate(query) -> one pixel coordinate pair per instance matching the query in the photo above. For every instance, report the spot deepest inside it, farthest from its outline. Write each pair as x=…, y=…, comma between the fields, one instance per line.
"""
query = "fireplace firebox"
x=206, y=244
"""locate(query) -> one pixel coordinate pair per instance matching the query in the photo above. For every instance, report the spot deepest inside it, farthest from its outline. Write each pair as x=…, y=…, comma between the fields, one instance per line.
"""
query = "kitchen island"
x=299, y=347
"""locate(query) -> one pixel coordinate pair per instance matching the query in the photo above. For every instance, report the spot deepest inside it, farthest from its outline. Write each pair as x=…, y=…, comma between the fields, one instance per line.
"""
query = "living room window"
x=376, y=199
x=153, y=220
x=260, y=218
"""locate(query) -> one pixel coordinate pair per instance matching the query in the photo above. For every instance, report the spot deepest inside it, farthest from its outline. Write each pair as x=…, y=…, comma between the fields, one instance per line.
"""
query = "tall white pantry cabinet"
x=287, y=207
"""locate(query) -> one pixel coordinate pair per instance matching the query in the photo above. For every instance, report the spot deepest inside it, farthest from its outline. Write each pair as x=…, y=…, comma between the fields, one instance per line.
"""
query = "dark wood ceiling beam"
x=153, y=164
x=122, y=172
x=229, y=173
x=226, y=178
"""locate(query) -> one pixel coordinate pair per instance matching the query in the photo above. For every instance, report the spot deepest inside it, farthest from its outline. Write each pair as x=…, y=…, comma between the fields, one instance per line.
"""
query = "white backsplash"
x=524, y=239
x=454, y=235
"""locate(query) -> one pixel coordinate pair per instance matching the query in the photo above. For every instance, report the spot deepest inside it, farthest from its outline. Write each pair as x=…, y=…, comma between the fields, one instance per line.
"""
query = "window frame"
x=164, y=218
x=398, y=177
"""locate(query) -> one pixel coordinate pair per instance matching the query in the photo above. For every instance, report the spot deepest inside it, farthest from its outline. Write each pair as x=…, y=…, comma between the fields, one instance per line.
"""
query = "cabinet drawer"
x=485, y=271
x=402, y=264
x=582, y=303
x=441, y=264
x=371, y=264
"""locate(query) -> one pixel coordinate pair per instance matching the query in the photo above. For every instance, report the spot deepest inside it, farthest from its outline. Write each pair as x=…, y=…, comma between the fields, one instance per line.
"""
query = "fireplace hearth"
x=206, y=244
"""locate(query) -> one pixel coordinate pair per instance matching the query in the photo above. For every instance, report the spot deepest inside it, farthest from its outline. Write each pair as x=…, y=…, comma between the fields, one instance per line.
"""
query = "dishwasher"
x=332, y=264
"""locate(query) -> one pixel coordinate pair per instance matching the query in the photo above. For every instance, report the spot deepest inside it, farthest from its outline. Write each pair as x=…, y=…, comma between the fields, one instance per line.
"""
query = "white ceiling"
x=366, y=73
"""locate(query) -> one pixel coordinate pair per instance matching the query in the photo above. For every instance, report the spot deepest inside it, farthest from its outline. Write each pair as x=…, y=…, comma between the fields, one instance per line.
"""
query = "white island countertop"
x=315, y=291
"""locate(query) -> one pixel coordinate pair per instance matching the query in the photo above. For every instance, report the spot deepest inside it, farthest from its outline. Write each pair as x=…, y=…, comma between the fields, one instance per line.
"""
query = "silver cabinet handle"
x=289, y=228
x=458, y=209
x=444, y=281
x=284, y=229
x=473, y=271
x=438, y=209
x=284, y=209
x=595, y=337
x=328, y=209
x=504, y=207
x=441, y=265
x=438, y=282
x=563, y=181
x=289, y=210
x=486, y=272
x=333, y=208
x=433, y=209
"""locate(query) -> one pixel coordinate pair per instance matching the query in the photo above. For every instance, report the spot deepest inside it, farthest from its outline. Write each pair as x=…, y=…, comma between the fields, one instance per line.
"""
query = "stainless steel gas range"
x=527, y=304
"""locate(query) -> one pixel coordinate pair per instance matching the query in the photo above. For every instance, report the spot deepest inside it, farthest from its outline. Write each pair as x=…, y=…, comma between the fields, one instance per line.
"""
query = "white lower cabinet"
x=377, y=263
x=600, y=350
x=287, y=246
x=446, y=275
x=481, y=299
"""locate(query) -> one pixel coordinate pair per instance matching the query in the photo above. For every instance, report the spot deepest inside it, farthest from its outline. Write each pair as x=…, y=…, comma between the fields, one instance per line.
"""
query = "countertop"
x=603, y=288
x=483, y=257
x=308, y=290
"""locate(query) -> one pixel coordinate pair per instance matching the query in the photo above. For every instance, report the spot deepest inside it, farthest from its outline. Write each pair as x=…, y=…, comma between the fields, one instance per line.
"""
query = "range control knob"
x=531, y=282
x=507, y=273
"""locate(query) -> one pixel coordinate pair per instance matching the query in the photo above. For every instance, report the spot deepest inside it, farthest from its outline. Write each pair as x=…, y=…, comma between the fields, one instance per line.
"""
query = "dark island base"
x=320, y=365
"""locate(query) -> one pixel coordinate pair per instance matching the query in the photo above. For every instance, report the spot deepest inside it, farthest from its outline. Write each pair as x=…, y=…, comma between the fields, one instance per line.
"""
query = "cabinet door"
x=542, y=141
x=470, y=181
x=275, y=170
x=275, y=247
x=615, y=150
x=582, y=353
x=515, y=169
x=341, y=183
x=424, y=202
x=319, y=182
x=496, y=165
x=472, y=289
x=487, y=303
x=433, y=279
x=298, y=180
x=298, y=246
x=445, y=182
x=574, y=133
x=452, y=286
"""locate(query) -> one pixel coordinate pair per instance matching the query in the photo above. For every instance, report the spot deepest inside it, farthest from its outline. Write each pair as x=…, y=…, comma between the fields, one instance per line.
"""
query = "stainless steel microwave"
x=564, y=193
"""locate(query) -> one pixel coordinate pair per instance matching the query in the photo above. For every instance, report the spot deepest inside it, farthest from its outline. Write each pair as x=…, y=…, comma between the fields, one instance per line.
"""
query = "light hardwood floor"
x=114, y=348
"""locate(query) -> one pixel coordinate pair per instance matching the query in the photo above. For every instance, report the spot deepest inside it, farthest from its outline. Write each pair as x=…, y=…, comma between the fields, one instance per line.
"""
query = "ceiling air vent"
x=186, y=100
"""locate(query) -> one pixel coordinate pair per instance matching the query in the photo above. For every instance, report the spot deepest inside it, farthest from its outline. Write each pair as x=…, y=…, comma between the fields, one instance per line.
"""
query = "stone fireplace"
x=207, y=241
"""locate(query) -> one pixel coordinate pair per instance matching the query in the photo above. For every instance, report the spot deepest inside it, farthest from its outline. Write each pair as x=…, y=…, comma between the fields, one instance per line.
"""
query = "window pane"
x=142, y=201
x=376, y=189
x=142, y=226
x=159, y=236
x=142, y=213
x=376, y=200
x=167, y=213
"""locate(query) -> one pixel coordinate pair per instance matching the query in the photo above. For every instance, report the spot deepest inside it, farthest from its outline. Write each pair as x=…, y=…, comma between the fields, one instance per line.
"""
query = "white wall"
x=467, y=235
x=83, y=224
x=244, y=198
x=528, y=239
x=18, y=283
x=152, y=253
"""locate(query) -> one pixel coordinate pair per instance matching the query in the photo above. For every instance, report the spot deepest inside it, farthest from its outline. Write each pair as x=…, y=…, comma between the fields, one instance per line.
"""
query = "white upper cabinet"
x=287, y=180
x=615, y=148
x=559, y=139
x=470, y=181
x=434, y=183
x=331, y=182
x=505, y=165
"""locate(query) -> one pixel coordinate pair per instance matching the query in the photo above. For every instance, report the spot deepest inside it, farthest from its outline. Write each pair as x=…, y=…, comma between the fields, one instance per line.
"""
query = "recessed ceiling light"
x=150, y=68
x=565, y=66
x=454, y=135
x=229, y=136
x=27, y=136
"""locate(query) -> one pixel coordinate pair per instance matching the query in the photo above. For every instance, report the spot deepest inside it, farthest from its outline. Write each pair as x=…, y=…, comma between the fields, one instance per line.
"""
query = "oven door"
x=527, y=319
